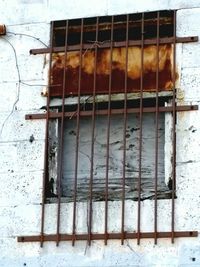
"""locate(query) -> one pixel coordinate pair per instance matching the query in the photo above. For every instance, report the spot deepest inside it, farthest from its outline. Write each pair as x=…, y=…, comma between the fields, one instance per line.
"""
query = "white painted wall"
x=21, y=162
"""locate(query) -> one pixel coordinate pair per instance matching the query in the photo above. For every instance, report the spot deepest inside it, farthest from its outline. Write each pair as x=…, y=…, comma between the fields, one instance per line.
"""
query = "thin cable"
x=18, y=86
x=30, y=36
x=32, y=85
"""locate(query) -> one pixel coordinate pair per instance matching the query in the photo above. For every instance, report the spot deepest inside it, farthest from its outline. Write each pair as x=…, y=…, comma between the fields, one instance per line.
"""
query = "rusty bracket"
x=167, y=40
x=56, y=115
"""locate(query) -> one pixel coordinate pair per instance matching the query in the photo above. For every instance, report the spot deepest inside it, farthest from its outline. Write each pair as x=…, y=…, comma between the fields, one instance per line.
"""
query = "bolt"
x=31, y=139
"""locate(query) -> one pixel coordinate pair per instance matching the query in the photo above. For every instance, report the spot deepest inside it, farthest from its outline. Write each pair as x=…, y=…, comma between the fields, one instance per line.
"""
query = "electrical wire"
x=28, y=35
x=18, y=84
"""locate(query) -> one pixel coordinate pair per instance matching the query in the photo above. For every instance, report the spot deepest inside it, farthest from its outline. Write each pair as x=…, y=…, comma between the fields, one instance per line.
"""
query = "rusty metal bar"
x=118, y=24
x=156, y=130
x=174, y=133
x=77, y=136
x=140, y=134
x=108, y=132
x=92, y=138
x=54, y=115
x=61, y=143
x=124, y=133
x=166, y=40
x=65, y=237
x=45, y=175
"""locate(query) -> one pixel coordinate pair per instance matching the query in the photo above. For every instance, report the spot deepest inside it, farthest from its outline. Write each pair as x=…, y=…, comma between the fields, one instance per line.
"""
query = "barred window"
x=111, y=119
x=103, y=77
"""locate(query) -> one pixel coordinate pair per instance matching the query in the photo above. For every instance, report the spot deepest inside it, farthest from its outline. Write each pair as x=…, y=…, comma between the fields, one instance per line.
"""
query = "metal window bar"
x=92, y=136
x=64, y=115
x=124, y=132
x=140, y=133
x=174, y=132
x=45, y=175
x=70, y=114
x=156, y=135
x=61, y=144
x=77, y=135
x=108, y=132
x=164, y=40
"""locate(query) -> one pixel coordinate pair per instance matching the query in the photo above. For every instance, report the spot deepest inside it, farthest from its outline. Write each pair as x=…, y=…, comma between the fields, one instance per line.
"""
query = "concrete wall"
x=21, y=161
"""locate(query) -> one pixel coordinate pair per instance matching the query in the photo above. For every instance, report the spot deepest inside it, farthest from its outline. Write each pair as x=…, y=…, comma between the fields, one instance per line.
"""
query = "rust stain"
x=2, y=29
x=118, y=70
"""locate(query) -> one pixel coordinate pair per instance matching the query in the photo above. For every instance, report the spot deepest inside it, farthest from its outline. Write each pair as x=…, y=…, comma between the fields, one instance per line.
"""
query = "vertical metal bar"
x=45, y=175
x=140, y=134
x=108, y=134
x=124, y=133
x=77, y=135
x=92, y=137
x=61, y=143
x=174, y=129
x=156, y=130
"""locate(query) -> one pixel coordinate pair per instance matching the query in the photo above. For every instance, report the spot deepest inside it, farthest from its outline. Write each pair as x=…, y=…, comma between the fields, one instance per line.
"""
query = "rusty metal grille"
x=129, y=57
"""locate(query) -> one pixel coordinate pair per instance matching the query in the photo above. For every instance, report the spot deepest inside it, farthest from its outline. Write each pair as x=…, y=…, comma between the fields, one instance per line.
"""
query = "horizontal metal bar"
x=166, y=40
x=71, y=114
x=67, y=237
x=118, y=25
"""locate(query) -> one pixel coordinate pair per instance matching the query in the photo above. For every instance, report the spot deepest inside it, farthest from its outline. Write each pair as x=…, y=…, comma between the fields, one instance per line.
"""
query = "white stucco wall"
x=21, y=162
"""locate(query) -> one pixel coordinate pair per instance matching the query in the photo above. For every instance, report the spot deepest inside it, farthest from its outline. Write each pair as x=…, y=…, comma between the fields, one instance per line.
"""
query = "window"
x=98, y=69
x=111, y=119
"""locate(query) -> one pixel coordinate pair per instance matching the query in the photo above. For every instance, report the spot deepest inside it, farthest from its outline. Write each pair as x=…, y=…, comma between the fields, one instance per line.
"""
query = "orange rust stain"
x=2, y=29
x=72, y=65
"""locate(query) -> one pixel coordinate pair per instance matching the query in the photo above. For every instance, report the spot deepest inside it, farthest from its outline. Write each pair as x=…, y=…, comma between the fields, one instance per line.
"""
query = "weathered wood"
x=115, y=158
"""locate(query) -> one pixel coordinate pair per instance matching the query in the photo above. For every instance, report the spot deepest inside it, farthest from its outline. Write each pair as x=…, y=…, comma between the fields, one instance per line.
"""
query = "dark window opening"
x=119, y=28
x=88, y=43
x=86, y=104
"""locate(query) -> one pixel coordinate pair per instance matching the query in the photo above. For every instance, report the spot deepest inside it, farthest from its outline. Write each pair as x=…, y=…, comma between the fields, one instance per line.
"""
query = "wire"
x=15, y=54
x=18, y=72
x=30, y=36
x=18, y=85
x=32, y=85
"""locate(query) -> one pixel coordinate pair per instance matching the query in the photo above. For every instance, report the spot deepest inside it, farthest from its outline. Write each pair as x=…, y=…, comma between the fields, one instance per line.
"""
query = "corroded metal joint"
x=2, y=29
